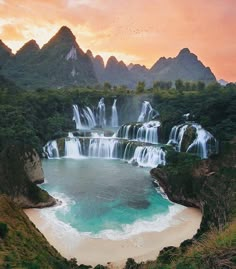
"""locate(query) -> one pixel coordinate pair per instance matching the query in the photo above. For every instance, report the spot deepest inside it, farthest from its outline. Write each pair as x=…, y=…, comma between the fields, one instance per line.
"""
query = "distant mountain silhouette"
x=5, y=53
x=98, y=64
x=223, y=82
x=185, y=66
x=61, y=62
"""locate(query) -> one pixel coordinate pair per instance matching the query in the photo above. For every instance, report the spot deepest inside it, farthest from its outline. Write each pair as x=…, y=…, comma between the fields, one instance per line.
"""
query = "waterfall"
x=76, y=117
x=148, y=132
x=114, y=117
x=84, y=114
x=176, y=135
x=101, y=113
x=143, y=132
x=147, y=112
x=203, y=143
x=103, y=148
x=148, y=156
x=72, y=147
x=89, y=116
x=51, y=149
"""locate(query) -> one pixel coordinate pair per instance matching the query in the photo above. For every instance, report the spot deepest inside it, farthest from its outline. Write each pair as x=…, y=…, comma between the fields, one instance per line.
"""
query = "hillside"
x=22, y=245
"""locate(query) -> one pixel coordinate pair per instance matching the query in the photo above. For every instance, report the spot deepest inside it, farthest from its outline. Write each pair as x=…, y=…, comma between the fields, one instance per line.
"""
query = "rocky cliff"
x=33, y=166
x=20, y=166
x=206, y=184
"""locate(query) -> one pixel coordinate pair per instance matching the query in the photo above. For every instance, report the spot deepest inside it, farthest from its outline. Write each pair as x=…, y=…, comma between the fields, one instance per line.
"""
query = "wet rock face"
x=33, y=167
x=188, y=138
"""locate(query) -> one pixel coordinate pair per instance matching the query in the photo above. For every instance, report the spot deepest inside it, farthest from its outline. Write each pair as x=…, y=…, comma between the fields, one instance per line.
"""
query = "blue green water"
x=105, y=197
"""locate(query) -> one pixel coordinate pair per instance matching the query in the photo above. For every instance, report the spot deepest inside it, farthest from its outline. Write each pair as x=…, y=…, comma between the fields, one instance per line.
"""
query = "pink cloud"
x=135, y=28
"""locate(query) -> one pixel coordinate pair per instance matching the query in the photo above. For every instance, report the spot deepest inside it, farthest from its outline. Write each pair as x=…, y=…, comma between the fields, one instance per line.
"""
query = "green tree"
x=3, y=229
x=179, y=85
x=140, y=87
x=107, y=86
x=200, y=85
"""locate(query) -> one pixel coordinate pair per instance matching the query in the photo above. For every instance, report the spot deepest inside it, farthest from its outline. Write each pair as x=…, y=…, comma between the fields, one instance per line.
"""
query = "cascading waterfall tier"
x=51, y=149
x=191, y=137
x=149, y=156
x=105, y=148
x=137, y=153
x=147, y=112
x=84, y=118
x=136, y=143
x=72, y=147
x=144, y=132
x=146, y=156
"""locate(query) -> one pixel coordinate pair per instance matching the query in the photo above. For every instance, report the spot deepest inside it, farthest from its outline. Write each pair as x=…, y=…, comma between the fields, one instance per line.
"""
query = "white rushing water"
x=114, y=116
x=202, y=145
x=86, y=114
x=51, y=149
x=89, y=116
x=145, y=132
x=76, y=117
x=102, y=148
x=202, y=142
x=147, y=112
x=101, y=113
x=72, y=147
x=148, y=156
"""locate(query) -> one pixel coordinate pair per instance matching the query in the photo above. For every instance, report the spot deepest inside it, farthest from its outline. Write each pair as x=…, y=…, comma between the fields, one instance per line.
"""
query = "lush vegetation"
x=36, y=116
x=22, y=245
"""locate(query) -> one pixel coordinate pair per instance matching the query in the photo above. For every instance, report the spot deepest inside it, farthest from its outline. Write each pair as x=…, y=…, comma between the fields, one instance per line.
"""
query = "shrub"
x=3, y=229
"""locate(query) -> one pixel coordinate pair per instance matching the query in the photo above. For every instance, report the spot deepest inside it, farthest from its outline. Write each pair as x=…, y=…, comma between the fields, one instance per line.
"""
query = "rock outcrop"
x=16, y=176
x=33, y=167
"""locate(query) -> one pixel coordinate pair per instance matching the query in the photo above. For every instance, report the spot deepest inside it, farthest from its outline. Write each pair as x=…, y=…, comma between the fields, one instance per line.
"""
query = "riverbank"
x=141, y=247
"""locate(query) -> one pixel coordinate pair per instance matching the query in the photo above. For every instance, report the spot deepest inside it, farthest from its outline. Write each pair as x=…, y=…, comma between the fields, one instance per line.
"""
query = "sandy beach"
x=141, y=247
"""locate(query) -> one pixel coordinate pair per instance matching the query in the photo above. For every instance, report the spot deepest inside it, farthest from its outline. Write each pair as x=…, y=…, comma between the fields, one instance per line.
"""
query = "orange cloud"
x=11, y=32
x=134, y=30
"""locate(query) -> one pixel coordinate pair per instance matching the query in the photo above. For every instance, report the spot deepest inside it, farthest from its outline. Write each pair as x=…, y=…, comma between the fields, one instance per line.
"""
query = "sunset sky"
x=138, y=31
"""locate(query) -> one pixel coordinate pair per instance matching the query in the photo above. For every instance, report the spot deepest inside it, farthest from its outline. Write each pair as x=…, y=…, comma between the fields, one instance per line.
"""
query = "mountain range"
x=61, y=62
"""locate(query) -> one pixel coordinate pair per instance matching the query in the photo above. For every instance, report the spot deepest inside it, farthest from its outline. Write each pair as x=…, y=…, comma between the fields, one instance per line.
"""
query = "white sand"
x=141, y=247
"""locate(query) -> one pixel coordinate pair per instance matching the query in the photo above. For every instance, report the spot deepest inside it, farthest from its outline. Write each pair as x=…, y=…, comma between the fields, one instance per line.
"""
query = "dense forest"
x=36, y=116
